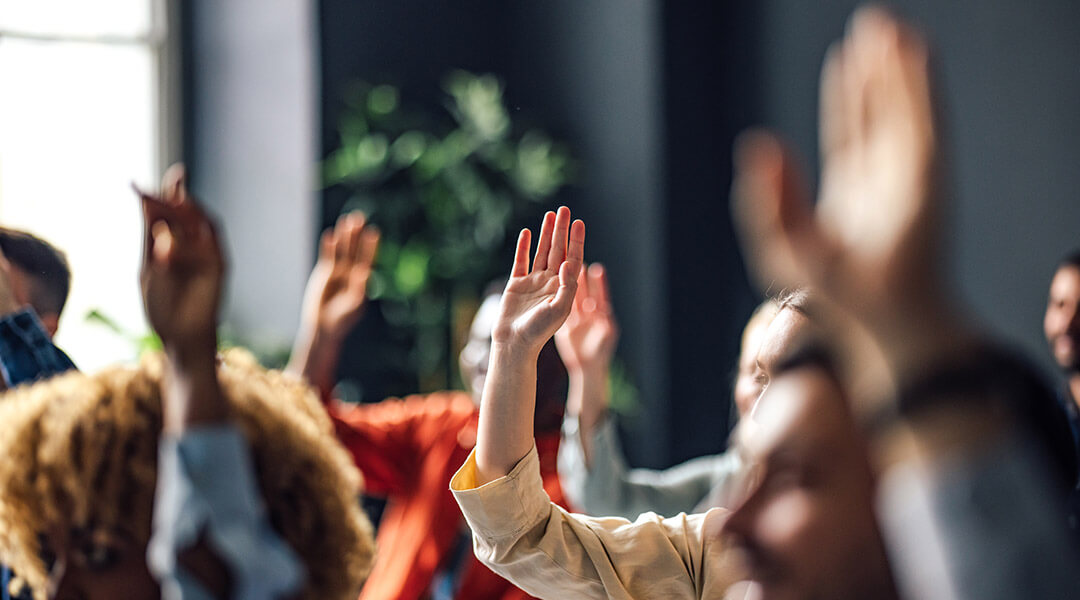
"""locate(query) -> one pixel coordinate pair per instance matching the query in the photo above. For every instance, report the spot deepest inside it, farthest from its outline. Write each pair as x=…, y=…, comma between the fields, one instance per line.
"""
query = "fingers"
x=354, y=225
x=598, y=287
x=521, y=254
x=568, y=286
x=327, y=245
x=581, y=295
x=575, y=251
x=543, y=244
x=558, y=252
x=177, y=228
x=772, y=210
x=831, y=106
x=174, y=184
x=570, y=269
x=369, y=246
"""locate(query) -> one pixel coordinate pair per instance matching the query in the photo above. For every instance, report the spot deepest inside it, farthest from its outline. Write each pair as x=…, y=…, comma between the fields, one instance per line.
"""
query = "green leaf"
x=382, y=99
x=410, y=275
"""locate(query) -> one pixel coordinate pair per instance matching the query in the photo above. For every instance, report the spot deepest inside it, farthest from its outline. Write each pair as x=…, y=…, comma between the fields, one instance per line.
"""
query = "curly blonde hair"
x=80, y=452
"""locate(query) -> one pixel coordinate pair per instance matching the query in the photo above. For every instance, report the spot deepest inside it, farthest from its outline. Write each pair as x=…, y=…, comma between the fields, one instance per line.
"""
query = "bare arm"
x=181, y=281
x=535, y=303
x=334, y=300
x=586, y=343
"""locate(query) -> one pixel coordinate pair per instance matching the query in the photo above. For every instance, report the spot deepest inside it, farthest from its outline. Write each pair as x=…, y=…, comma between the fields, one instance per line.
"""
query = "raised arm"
x=534, y=304
x=181, y=281
x=586, y=344
x=211, y=535
x=334, y=300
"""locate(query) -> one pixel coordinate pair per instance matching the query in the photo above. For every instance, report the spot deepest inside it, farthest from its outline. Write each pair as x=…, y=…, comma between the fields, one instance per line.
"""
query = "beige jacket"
x=551, y=553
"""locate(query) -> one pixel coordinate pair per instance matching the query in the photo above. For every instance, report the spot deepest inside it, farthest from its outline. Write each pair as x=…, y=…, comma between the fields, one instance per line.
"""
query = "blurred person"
x=408, y=448
x=1061, y=325
x=182, y=477
x=40, y=275
x=26, y=354
x=35, y=281
x=592, y=467
x=964, y=509
x=967, y=444
x=34, y=284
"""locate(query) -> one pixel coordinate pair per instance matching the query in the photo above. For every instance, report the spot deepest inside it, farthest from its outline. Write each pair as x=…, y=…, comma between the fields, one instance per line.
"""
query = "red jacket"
x=408, y=450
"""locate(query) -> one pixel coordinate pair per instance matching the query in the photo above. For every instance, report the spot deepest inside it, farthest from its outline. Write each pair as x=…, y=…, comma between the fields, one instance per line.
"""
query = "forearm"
x=587, y=400
x=191, y=393
x=505, y=430
x=315, y=357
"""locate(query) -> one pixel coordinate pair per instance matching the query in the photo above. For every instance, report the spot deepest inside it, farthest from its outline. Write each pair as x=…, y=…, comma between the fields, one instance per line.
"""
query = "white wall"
x=254, y=152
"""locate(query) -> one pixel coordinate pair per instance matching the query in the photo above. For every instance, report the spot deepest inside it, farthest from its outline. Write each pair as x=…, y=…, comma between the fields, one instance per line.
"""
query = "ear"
x=51, y=321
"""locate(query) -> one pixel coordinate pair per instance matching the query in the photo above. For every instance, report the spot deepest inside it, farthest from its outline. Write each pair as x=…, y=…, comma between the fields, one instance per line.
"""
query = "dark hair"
x=1071, y=259
x=46, y=266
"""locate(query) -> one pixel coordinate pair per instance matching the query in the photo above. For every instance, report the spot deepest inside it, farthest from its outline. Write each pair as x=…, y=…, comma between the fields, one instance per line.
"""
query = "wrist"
x=590, y=372
x=513, y=353
x=195, y=354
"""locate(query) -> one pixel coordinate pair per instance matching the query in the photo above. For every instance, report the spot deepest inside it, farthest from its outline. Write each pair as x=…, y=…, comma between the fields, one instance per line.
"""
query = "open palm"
x=536, y=301
x=587, y=339
x=182, y=268
x=873, y=238
x=337, y=289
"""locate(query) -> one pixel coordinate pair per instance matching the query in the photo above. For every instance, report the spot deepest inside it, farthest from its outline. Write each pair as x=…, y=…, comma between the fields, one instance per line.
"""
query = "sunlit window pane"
x=127, y=18
x=77, y=124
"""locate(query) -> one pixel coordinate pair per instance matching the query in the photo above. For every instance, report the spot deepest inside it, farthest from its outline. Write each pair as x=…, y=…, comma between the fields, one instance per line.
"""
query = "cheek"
x=747, y=390
x=1050, y=323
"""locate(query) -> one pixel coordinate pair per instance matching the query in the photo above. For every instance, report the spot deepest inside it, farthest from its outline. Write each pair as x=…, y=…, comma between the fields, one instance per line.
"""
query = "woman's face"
x=97, y=565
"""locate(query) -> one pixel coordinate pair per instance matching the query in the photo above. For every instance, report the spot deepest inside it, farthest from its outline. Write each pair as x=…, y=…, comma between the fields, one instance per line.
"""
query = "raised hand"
x=181, y=280
x=337, y=288
x=334, y=300
x=872, y=246
x=182, y=267
x=536, y=301
x=534, y=304
x=586, y=341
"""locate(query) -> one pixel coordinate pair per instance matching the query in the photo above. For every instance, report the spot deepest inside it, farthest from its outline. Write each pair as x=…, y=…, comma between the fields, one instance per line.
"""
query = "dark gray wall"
x=1010, y=75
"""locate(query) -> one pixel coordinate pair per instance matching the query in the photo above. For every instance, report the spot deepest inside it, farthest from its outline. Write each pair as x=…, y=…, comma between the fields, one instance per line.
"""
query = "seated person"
x=182, y=477
x=407, y=449
x=34, y=283
x=34, y=288
x=592, y=469
x=1061, y=324
x=965, y=509
x=40, y=275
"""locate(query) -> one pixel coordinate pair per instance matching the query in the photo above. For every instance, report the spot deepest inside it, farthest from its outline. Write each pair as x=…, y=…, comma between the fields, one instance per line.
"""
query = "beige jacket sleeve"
x=550, y=553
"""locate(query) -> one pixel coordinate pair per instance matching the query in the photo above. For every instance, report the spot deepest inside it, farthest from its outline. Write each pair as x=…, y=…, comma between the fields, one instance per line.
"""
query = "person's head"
x=789, y=325
x=551, y=376
x=806, y=526
x=40, y=275
x=80, y=465
x=747, y=388
x=1062, y=321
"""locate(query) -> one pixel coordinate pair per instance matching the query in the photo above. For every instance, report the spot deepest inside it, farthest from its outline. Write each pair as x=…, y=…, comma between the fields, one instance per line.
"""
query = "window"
x=86, y=108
